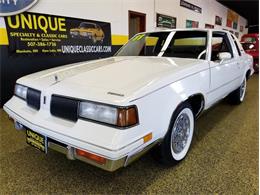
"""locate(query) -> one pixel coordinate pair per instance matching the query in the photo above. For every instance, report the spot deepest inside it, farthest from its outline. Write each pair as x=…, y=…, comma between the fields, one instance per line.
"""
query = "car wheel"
x=238, y=96
x=178, y=139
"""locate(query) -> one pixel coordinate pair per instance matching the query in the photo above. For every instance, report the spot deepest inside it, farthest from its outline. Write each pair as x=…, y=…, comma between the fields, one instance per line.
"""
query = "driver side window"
x=220, y=44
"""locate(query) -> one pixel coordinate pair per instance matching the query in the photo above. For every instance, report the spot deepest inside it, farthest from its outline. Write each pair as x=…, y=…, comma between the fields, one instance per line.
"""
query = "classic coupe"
x=88, y=30
x=108, y=112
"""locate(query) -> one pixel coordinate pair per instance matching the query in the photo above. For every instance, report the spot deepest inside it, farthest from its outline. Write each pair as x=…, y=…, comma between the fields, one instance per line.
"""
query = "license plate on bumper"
x=36, y=140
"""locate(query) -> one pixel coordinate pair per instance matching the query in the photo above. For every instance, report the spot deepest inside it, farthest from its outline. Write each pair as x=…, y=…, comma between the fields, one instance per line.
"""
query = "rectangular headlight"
x=116, y=116
x=20, y=91
x=98, y=112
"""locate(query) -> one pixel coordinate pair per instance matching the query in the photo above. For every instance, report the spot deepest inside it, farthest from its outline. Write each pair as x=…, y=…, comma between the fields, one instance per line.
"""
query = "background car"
x=88, y=30
x=250, y=43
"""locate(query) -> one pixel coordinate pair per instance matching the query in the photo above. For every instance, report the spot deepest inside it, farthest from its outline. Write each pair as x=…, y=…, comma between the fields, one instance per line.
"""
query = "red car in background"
x=250, y=43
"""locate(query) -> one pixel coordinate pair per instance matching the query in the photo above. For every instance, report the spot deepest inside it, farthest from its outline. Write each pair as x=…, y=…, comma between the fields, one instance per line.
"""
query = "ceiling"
x=249, y=9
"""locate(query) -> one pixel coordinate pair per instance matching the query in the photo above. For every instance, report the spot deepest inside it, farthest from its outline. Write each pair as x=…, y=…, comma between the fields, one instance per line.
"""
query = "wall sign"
x=190, y=6
x=13, y=7
x=192, y=24
x=234, y=25
x=209, y=26
x=165, y=21
x=232, y=19
x=241, y=28
x=237, y=34
x=40, y=34
x=218, y=20
x=36, y=42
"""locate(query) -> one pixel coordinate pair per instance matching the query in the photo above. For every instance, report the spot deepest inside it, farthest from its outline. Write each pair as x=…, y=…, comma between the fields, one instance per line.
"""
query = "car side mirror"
x=222, y=56
x=251, y=46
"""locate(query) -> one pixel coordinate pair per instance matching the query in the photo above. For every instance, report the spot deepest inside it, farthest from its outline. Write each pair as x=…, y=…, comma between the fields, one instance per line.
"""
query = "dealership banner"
x=31, y=42
x=41, y=34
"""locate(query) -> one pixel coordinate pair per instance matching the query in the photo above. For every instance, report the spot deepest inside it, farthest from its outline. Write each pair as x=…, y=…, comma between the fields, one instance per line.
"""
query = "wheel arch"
x=248, y=73
x=197, y=102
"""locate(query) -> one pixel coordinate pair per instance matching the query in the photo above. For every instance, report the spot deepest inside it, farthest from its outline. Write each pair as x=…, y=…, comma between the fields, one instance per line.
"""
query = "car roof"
x=88, y=23
x=251, y=35
x=188, y=29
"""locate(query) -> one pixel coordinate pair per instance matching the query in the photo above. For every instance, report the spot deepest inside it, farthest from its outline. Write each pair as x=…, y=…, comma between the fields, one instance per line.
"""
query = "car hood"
x=112, y=80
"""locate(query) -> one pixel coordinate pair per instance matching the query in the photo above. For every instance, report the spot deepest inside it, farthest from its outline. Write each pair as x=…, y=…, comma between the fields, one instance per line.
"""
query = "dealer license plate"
x=36, y=140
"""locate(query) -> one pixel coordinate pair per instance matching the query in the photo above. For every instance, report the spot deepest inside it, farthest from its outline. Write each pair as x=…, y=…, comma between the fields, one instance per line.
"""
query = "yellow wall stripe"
x=119, y=39
x=3, y=37
x=116, y=39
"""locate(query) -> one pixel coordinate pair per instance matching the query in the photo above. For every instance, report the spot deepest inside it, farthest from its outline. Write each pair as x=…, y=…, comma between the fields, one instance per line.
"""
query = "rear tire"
x=178, y=139
x=238, y=96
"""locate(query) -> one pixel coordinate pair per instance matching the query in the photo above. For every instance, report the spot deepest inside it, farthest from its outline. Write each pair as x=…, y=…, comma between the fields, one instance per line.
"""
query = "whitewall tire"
x=177, y=140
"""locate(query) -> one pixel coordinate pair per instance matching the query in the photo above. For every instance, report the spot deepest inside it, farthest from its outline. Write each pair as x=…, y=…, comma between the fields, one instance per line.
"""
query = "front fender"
x=156, y=108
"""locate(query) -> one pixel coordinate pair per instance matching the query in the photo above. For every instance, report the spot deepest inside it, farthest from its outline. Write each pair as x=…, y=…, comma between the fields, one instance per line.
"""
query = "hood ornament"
x=56, y=78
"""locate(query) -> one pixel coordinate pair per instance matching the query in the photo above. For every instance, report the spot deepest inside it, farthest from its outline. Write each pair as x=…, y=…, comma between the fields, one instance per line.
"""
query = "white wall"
x=210, y=8
x=116, y=12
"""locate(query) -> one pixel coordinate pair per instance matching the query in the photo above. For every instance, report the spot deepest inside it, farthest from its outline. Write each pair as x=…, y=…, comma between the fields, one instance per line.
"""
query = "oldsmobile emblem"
x=56, y=78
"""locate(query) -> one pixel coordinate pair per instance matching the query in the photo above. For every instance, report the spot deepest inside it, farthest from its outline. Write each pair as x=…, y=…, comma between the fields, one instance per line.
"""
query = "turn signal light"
x=127, y=117
x=148, y=137
x=90, y=156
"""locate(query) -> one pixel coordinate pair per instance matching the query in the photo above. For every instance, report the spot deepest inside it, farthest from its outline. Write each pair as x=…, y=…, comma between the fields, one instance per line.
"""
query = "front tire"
x=238, y=96
x=178, y=139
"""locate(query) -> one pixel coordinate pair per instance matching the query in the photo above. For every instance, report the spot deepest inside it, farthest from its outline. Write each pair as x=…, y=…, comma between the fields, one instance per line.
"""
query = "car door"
x=225, y=74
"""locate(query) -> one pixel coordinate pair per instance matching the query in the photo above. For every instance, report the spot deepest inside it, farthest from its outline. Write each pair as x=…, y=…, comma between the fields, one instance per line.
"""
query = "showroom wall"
x=116, y=12
x=113, y=12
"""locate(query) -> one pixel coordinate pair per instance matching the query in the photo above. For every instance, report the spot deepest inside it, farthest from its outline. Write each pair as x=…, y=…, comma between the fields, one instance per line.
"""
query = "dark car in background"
x=250, y=43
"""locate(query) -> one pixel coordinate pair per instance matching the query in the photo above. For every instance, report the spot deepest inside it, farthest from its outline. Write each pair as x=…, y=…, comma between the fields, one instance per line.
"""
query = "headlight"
x=20, y=91
x=121, y=117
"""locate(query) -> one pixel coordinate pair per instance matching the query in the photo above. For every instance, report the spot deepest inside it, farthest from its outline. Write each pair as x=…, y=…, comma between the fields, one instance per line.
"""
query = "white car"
x=108, y=112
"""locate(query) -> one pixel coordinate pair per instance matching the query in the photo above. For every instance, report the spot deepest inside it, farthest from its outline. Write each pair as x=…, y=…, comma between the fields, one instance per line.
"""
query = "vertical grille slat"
x=64, y=108
x=33, y=98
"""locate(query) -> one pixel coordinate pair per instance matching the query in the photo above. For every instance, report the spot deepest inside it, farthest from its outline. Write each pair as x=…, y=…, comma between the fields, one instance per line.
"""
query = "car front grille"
x=64, y=107
x=33, y=98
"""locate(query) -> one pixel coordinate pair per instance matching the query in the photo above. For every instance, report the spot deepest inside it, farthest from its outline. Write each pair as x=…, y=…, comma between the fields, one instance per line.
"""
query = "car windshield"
x=148, y=44
x=249, y=40
x=184, y=44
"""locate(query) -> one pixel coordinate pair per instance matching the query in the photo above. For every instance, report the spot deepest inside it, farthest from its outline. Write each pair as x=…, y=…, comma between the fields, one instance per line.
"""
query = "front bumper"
x=110, y=165
x=68, y=144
